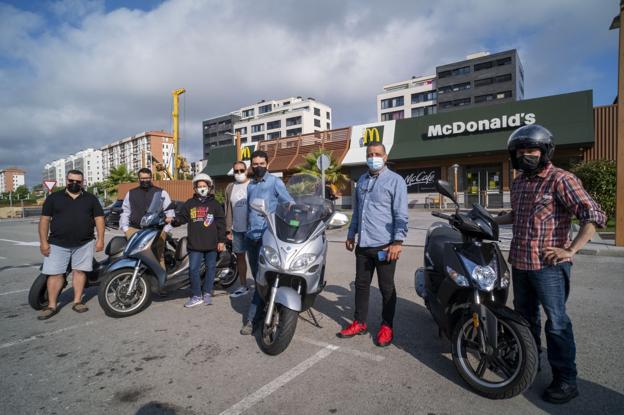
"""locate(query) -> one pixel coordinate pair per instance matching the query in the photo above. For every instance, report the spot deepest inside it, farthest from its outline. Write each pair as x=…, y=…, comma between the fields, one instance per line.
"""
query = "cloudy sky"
x=76, y=74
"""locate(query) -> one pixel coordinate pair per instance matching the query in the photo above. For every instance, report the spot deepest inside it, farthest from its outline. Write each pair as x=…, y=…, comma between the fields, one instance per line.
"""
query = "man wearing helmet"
x=135, y=205
x=544, y=199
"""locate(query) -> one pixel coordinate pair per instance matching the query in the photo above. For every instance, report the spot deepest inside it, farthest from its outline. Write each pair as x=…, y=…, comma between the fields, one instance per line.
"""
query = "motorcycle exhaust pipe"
x=269, y=314
x=135, y=275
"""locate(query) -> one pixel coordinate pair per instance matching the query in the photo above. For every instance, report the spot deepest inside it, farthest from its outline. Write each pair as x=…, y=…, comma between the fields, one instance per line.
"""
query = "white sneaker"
x=239, y=292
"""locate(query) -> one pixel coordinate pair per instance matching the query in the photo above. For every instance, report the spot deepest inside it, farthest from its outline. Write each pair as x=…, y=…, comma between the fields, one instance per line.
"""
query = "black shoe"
x=560, y=392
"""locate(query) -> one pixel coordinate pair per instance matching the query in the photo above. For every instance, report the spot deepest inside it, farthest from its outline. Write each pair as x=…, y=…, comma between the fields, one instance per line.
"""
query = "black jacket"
x=206, y=223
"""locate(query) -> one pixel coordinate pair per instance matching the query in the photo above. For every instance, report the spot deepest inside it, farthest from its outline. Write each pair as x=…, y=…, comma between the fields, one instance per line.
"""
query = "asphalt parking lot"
x=171, y=360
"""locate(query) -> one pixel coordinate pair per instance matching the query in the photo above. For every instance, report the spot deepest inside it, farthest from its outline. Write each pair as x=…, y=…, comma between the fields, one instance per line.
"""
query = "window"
x=492, y=97
x=258, y=137
x=493, y=80
x=274, y=135
x=391, y=102
x=265, y=108
x=257, y=128
x=225, y=142
x=317, y=112
x=293, y=121
x=419, y=112
x=294, y=131
x=483, y=65
x=328, y=126
x=317, y=123
x=241, y=131
x=274, y=124
x=453, y=88
x=395, y=115
x=455, y=103
x=285, y=102
x=327, y=115
x=424, y=96
x=248, y=113
x=490, y=64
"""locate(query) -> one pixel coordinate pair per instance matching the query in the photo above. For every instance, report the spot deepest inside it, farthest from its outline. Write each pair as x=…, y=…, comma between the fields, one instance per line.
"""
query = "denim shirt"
x=379, y=210
x=273, y=191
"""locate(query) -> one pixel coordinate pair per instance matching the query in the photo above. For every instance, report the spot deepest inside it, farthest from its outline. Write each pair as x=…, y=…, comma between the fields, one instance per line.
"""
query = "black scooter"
x=465, y=284
x=38, y=294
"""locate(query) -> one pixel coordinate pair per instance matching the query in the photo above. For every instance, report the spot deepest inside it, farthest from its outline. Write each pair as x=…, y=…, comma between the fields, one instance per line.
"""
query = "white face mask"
x=240, y=177
x=202, y=191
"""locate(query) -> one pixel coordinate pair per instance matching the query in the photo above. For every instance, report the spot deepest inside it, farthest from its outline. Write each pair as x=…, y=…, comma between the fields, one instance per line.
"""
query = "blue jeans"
x=253, y=254
x=550, y=287
x=195, y=260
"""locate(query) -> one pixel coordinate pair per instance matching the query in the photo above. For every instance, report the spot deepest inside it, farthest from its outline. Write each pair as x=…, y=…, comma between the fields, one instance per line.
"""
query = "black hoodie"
x=206, y=222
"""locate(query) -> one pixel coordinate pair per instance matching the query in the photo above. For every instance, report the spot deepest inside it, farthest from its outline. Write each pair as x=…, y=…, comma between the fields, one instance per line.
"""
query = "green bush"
x=220, y=196
x=598, y=178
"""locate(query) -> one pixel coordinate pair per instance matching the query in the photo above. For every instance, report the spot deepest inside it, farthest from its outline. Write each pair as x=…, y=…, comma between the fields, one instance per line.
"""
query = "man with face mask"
x=69, y=216
x=380, y=222
x=265, y=186
x=236, y=221
x=135, y=205
x=544, y=199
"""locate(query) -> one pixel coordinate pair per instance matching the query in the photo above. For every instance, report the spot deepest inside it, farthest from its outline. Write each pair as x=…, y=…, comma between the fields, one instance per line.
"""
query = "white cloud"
x=107, y=75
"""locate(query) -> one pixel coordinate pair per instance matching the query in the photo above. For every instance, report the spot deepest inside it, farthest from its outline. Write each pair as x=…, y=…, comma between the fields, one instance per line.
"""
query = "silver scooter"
x=291, y=269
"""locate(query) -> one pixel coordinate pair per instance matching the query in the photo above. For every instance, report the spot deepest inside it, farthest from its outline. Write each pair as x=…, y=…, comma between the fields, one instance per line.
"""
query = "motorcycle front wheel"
x=114, y=298
x=276, y=337
x=496, y=374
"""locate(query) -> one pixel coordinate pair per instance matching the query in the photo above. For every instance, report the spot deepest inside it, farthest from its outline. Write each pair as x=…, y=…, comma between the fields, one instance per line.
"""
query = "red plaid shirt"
x=542, y=207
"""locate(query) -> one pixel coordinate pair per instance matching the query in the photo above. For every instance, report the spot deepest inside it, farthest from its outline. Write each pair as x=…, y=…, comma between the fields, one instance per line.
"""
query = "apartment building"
x=55, y=170
x=11, y=178
x=407, y=99
x=141, y=150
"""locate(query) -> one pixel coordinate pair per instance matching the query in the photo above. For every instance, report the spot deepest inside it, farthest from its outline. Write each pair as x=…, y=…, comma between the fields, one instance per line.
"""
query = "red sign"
x=49, y=184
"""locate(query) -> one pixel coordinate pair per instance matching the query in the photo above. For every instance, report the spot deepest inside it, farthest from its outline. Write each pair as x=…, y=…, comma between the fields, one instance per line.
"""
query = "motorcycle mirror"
x=444, y=188
x=259, y=206
x=338, y=220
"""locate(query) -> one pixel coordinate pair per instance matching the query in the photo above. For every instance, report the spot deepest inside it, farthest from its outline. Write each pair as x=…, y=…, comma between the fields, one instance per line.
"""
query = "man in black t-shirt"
x=69, y=217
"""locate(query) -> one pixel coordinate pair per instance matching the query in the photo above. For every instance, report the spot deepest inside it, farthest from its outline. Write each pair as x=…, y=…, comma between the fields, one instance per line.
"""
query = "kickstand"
x=313, y=317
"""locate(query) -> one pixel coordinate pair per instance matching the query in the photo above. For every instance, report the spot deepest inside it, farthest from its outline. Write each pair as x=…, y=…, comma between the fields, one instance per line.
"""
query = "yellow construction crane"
x=176, y=130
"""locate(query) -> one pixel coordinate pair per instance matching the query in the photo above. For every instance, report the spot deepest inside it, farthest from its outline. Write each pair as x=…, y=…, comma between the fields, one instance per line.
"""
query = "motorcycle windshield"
x=296, y=222
x=152, y=215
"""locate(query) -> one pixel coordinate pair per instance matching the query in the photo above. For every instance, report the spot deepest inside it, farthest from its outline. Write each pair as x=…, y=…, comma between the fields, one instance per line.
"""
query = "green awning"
x=473, y=130
x=220, y=161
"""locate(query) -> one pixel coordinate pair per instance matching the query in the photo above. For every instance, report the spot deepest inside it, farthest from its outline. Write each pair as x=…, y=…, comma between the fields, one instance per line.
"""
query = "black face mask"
x=74, y=187
x=259, y=171
x=528, y=164
x=145, y=184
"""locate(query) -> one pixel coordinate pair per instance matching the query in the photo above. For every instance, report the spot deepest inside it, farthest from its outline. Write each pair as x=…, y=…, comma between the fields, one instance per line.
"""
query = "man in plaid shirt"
x=543, y=200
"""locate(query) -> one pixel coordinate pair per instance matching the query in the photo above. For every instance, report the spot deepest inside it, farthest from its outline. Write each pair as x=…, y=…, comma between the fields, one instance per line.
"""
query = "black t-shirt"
x=72, y=219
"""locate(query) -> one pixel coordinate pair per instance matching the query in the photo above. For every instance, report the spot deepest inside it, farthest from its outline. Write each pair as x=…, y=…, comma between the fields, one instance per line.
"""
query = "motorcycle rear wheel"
x=38, y=293
x=507, y=372
x=276, y=337
x=113, y=298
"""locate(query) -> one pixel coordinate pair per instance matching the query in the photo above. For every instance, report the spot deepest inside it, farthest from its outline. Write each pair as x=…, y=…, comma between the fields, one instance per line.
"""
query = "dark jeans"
x=253, y=253
x=549, y=287
x=366, y=262
x=195, y=260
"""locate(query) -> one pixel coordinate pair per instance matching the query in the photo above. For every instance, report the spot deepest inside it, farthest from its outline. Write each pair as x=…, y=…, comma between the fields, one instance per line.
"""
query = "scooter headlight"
x=484, y=276
x=458, y=278
x=270, y=255
x=302, y=261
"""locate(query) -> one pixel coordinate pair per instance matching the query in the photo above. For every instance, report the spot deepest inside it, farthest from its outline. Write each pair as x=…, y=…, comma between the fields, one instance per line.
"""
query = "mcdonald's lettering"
x=246, y=152
x=372, y=134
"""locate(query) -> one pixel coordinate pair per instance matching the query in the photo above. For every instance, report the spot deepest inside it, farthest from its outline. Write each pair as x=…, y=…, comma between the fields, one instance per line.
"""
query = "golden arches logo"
x=371, y=135
x=246, y=153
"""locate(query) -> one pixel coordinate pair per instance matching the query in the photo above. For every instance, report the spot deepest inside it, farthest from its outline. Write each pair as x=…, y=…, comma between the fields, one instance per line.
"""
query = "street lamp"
x=237, y=141
x=619, y=155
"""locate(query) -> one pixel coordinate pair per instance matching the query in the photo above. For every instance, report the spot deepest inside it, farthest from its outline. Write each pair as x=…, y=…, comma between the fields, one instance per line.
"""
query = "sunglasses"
x=240, y=171
x=74, y=181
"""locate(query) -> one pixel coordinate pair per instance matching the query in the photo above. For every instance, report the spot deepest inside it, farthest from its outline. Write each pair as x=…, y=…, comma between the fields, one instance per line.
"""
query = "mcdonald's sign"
x=371, y=135
x=247, y=151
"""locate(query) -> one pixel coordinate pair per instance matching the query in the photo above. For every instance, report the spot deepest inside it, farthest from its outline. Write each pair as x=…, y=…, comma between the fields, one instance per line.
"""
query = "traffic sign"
x=49, y=184
x=323, y=162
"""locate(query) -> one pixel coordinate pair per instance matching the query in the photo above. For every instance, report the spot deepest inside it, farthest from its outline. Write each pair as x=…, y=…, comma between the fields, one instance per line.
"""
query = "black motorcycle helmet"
x=531, y=136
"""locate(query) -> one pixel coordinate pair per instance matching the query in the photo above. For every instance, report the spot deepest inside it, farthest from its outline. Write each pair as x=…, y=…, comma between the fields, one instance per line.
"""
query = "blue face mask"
x=375, y=163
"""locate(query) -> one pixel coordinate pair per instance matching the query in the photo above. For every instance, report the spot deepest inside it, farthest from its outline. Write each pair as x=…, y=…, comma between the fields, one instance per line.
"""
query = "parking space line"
x=280, y=381
x=366, y=355
x=13, y=292
x=42, y=335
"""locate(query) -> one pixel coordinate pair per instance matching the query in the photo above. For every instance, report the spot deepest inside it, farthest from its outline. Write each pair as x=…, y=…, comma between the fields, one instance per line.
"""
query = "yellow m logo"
x=371, y=135
x=246, y=153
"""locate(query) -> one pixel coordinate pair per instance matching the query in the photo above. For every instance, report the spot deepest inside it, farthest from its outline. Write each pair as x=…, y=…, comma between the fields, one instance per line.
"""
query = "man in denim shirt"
x=380, y=221
x=272, y=190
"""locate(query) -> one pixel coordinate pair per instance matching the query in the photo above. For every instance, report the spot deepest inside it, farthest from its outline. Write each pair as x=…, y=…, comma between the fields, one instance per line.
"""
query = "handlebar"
x=442, y=215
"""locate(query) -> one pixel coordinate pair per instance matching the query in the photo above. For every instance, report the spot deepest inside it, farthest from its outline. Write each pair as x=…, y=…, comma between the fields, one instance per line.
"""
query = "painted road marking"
x=21, y=243
x=13, y=292
x=280, y=381
x=365, y=355
x=42, y=335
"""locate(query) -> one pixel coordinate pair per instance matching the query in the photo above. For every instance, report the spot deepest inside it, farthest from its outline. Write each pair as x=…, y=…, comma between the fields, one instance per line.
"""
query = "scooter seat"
x=116, y=245
x=181, y=249
x=435, y=244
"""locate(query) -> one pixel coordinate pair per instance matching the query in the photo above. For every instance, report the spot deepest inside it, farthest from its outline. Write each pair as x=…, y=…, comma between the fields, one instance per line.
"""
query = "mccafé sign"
x=497, y=123
x=372, y=135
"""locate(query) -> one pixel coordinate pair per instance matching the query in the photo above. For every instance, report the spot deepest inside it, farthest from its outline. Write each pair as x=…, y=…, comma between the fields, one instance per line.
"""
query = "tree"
x=118, y=175
x=21, y=193
x=598, y=178
x=333, y=175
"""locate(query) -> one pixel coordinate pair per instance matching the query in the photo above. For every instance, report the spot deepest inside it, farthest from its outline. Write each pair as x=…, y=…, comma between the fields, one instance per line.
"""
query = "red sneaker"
x=384, y=336
x=355, y=328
